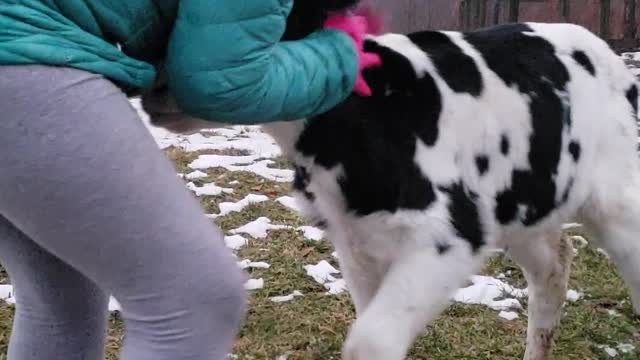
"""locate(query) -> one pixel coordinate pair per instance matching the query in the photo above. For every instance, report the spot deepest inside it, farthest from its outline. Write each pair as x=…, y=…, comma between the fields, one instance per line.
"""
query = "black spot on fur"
x=457, y=69
x=309, y=195
x=506, y=206
x=531, y=57
x=534, y=69
x=581, y=58
x=504, y=145
x=574, y=150
x=376, y=154
x=301, y=179
x=442, y=248
x=482, y=163
x=537, y=195
x=567, y=115
x=321, y=224
x=465, y=217
x=632, y=96
x=408, y=94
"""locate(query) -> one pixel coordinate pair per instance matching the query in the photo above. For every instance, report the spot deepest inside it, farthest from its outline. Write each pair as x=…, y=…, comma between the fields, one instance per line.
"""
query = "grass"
x=314, y=326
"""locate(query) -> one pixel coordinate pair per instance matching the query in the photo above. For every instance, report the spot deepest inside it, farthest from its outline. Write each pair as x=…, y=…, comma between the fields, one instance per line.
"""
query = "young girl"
x=90, y=207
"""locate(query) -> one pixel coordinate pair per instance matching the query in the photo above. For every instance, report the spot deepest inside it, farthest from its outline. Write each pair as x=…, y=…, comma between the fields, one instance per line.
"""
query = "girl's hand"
x=164, y=113
x=357, y=27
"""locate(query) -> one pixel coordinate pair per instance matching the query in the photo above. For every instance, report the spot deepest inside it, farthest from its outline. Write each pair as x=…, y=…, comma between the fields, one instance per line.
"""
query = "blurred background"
x=617, y=21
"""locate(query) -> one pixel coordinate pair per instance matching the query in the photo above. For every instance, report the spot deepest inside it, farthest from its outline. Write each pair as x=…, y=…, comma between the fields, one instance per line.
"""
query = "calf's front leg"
x=416, y=288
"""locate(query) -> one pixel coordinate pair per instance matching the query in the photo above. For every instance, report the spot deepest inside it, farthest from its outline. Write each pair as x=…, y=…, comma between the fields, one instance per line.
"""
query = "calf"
x=471, y=141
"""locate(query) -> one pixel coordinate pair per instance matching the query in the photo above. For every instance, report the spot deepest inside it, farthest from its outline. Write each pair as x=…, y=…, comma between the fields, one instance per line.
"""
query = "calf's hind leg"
x=615, y=225
x=546, y=263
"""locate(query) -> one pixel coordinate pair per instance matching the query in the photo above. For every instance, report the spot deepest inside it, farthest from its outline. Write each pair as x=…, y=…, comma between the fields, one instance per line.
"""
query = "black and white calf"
x=471, y=141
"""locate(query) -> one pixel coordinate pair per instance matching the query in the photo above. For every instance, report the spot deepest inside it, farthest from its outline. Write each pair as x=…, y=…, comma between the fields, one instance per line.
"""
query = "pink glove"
x=356, y=27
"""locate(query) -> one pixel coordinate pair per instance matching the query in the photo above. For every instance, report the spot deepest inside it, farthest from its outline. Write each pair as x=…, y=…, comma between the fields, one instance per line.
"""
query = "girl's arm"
x=226, y=63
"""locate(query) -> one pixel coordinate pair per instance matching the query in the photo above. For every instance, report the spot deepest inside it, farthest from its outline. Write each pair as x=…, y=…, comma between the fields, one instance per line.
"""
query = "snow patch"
x=261, y=169
x=235, y=242
x=247, y=163
x=322, y=273
x=286, y=298
x=579, y=240
x=257, y=229
x=244, y=264
x=573, y=295
x=625, y=348
x=212, y=161
x=613, y=313
x=336, y=287
x=571, y=226
x=114, y=305
x=254, y=284
x=311, y=233
x=289, y=202
x=491, y=292
x=608, y=350
x=229, y=207
x=620, y=348
x=508, y=315
x=209, y=189
x=247, y=138
x=6, y=294
x=194, y=175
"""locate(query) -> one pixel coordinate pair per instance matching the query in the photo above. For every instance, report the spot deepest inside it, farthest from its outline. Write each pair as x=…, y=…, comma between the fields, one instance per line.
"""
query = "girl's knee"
x=218, y=289
x=200, y=309
x=227, y=293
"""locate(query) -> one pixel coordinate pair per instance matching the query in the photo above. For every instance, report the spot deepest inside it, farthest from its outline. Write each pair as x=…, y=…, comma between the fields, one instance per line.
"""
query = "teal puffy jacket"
x=224, y=60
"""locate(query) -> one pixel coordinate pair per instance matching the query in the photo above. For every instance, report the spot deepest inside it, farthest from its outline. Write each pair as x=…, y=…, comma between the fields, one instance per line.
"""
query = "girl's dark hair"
x=308, y=16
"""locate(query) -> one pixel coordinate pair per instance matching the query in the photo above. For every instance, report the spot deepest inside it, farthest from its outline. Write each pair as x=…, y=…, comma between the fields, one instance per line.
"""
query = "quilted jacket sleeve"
x=225, y=63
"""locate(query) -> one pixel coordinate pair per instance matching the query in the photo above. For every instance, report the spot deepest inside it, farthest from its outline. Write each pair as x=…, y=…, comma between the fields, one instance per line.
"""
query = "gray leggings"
x=90, y=207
